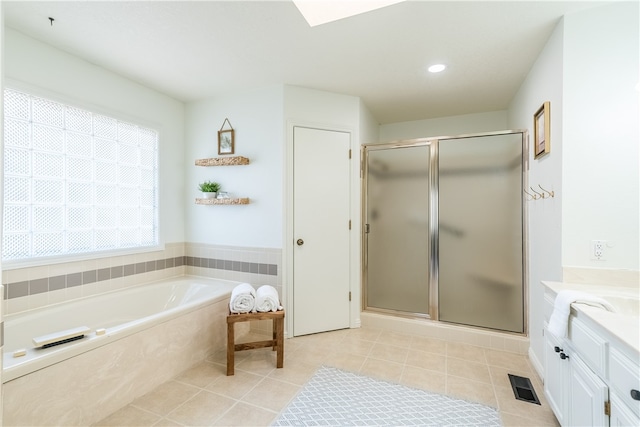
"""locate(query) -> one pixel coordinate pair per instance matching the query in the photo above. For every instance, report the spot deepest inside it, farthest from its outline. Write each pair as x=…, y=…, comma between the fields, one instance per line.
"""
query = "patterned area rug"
x=333, y=397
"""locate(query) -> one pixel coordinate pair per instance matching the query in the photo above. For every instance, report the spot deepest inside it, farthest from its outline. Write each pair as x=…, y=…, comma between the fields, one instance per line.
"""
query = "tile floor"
x=205, y=396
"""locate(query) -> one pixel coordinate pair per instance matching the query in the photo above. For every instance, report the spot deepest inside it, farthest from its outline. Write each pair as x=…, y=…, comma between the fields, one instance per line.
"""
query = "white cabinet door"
x=587, y=396
x=621, y=415
x=556, y=377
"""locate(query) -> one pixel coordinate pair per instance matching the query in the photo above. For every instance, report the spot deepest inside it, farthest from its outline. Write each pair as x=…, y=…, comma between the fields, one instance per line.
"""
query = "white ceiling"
x=192, y=50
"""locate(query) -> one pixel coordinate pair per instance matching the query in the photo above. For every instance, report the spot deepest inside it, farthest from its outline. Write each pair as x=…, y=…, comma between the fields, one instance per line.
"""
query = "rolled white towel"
x=267, y=299
x=243, y=299
x=559, y=321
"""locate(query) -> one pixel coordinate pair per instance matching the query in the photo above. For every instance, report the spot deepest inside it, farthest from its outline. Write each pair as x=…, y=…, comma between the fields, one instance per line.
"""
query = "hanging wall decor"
x=226, y=139
x=541, y=131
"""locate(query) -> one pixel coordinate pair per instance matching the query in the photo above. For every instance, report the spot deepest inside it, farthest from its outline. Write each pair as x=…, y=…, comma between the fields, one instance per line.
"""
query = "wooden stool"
x=277, y=342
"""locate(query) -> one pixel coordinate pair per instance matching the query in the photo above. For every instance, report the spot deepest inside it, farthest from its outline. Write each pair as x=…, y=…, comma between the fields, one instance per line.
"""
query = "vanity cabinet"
x=577, y=396
x=589, y=378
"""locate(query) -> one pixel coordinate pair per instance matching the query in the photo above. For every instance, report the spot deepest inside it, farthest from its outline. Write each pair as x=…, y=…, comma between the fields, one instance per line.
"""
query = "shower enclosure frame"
x=433, y=255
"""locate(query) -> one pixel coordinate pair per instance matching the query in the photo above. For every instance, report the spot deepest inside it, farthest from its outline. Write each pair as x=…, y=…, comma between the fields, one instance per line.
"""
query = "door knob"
x=300, y=242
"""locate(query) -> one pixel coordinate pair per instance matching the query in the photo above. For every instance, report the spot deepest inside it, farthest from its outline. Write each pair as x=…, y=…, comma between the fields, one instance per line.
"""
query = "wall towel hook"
x=531, y=196
x=550, y=193
x=540, y=195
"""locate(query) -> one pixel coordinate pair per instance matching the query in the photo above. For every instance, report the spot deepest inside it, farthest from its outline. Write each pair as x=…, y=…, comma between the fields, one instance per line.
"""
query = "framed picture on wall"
x=541, y=133
x=225, y=142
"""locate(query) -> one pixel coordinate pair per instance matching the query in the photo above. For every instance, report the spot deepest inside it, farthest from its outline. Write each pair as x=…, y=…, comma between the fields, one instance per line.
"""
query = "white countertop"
x=625, y=327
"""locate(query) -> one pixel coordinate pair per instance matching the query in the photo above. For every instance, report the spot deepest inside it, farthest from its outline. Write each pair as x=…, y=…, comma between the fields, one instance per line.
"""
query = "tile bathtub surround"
x=47, y=284
x=34, y=287
x=221, y=264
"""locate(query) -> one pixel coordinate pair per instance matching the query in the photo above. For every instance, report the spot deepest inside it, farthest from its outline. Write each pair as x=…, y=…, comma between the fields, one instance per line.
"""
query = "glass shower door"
x=480, y=278
x=397, y=254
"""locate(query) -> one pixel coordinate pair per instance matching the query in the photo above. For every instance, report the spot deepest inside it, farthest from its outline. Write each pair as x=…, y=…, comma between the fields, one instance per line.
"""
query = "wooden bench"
x=277, y=342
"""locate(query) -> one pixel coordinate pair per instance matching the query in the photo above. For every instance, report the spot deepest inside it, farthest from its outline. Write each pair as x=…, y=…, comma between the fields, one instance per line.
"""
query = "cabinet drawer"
x=591, y=346
x=624, y=377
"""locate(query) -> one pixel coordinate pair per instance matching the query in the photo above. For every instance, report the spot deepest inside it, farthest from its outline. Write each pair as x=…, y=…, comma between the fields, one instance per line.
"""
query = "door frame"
x=288, y=232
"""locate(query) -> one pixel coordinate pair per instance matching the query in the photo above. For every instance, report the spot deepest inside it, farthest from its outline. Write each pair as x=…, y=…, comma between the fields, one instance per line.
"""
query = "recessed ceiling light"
x=318, y=12
x=437, y=68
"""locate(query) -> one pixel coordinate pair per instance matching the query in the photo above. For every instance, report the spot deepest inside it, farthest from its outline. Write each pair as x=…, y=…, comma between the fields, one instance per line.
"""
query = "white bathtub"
x=152, y=333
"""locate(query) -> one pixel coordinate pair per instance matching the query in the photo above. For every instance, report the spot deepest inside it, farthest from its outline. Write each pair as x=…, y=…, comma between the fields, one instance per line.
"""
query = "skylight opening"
x=318, y=12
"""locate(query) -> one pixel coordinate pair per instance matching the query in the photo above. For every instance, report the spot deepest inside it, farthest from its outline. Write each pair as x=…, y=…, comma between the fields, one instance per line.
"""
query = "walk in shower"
x=443, y=229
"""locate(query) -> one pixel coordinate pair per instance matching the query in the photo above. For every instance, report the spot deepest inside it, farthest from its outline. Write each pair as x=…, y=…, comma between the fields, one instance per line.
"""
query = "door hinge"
x=366, y=228
x=349, y=224
x=607, y=407
x=349, y=295
x=349, y=153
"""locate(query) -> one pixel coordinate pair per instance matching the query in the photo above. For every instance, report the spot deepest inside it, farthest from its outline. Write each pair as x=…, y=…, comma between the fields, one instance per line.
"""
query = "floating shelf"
x=223, y=161
x=240, y=201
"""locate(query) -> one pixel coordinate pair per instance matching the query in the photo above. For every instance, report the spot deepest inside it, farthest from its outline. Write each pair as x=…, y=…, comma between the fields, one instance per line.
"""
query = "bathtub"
x=138, y=338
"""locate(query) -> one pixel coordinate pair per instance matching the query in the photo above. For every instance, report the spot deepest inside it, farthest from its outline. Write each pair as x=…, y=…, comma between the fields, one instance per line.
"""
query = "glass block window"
x=75, y=181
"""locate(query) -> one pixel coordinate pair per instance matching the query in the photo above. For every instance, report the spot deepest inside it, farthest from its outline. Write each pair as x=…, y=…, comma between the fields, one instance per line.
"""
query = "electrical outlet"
x=598, y=249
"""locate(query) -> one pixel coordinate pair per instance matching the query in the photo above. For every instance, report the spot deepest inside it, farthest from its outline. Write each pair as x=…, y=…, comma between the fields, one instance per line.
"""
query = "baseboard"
x=539, y=367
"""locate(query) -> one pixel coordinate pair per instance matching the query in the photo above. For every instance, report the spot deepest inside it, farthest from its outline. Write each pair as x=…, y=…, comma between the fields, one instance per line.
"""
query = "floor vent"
x=523, y=389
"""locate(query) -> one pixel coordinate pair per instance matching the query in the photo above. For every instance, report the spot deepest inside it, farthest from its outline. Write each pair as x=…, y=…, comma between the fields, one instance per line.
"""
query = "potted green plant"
x=209, y=189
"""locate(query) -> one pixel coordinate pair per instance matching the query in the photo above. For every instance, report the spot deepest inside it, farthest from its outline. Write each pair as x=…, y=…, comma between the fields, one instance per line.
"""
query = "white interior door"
x=321, y=191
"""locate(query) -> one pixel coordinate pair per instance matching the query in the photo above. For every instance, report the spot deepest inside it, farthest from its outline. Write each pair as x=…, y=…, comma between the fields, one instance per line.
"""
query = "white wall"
x=601, y=123
x=544, y=216
x=74, y=80
x=444, y=126
x=257, y=119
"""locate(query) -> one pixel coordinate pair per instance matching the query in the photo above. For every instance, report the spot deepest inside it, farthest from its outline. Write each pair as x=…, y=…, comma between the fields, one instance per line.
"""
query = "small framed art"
x=541, y=131
x=225, y=142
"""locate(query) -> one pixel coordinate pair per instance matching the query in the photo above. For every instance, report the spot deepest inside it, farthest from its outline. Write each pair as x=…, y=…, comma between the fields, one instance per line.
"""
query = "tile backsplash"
x=33, y=287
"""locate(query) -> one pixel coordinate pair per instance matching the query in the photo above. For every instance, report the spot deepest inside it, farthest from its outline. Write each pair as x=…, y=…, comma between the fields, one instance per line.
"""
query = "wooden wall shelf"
x=239, y=201
x=223, y=161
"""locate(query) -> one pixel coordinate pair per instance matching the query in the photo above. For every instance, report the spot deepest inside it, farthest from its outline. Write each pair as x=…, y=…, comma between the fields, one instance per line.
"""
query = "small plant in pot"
x=209, y=189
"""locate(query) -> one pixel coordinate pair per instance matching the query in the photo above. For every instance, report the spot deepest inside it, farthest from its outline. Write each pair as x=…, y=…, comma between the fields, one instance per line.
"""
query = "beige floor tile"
x=424, y=379
x=346, y=361
x=395, y=339
x=311, y=354
x=470, y=370
x=431, y=345
x=473, y=391
x=295, y=372
x=500, y=377
x=389, y=352
x=511, y=420
x=166, y=397
x=220, y=357
x=235, y=386
x=260, y=362
x=367, y=334
x=507, y=403
x=466, y=351
x=356, y=346
x=202, y=374
x=243, y=414
x=201, y=410
x=382, y=369
x=258, y=391
x=508, y=360
x=130, y=416
x=167, y=423
x=426, y=360
x=271, y=394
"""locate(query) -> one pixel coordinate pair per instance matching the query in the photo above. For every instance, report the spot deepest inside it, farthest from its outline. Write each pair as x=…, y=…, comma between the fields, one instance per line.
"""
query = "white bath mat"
x=333, y=397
